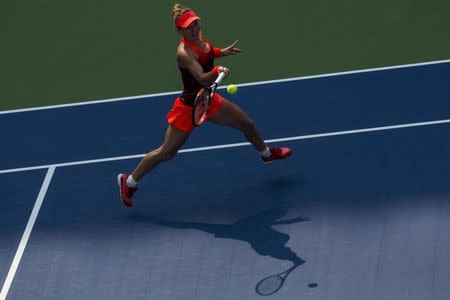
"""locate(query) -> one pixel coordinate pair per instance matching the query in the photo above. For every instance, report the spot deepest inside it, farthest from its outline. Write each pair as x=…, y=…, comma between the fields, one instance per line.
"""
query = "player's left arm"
x=229, y=50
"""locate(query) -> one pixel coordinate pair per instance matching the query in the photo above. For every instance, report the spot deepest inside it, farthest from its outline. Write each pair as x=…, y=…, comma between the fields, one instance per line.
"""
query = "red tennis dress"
x=180, y=116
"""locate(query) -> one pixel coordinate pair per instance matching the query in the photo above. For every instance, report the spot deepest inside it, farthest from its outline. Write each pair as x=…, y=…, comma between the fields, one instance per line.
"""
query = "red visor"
x=186, y=19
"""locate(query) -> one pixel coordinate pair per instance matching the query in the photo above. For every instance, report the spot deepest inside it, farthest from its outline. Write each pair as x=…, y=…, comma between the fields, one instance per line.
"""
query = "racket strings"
x=270, y=285
x=200, y=109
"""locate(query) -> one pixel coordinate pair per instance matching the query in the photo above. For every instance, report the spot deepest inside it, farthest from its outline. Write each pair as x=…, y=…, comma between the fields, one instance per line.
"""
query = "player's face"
x=192, y=32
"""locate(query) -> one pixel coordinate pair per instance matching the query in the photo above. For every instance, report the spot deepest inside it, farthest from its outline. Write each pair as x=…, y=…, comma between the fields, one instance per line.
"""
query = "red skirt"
x=180, y=116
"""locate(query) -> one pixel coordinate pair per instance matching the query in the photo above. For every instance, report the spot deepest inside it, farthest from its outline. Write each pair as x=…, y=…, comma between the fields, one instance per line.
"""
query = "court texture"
x=361, y=210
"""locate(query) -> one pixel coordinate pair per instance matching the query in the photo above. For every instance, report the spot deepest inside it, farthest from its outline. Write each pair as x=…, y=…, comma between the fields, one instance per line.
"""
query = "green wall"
x=60, y=51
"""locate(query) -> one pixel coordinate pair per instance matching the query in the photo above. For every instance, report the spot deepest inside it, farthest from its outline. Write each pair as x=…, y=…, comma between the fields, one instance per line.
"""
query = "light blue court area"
x=360, y=211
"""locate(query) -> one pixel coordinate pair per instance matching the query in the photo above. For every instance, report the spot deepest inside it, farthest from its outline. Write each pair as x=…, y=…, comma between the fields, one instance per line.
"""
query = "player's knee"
x=161, y=154
x=167, y=155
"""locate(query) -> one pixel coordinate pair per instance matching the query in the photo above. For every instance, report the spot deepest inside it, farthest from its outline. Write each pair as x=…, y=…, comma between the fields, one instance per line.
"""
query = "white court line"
x=26, y=233
x=240, y=85
x=285, y=139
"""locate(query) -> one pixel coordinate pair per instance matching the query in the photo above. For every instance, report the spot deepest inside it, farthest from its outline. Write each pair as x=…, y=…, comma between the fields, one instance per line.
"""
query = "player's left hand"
x=231, y=50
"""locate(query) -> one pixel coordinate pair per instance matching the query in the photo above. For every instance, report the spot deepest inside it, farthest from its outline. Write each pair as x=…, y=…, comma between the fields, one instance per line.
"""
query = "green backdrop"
x=60, y=51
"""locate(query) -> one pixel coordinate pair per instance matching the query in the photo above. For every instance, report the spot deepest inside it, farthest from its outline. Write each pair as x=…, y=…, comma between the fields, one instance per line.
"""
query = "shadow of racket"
x=272, y=284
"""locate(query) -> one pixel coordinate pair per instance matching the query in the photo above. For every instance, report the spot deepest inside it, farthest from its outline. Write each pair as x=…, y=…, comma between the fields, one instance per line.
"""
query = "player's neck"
x=199, y=43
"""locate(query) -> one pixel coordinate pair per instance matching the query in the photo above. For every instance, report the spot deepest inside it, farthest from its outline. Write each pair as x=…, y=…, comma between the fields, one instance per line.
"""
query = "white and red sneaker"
x=277, y=153
x=125, y=192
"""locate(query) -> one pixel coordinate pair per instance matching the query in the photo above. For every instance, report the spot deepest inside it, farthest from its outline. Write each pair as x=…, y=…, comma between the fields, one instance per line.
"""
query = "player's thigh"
x=174, y=140
x=230, y=114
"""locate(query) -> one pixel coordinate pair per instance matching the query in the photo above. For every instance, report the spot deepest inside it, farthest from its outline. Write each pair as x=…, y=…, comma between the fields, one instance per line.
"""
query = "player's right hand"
x=224, y=70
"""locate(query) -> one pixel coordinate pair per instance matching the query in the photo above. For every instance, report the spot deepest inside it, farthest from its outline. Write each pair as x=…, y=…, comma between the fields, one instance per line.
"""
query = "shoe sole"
x=118, y=180
x=271, y=161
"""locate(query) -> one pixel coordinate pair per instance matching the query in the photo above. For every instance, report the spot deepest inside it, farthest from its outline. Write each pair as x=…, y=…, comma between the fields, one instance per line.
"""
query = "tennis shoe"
x=277, y=153
x=126, y=192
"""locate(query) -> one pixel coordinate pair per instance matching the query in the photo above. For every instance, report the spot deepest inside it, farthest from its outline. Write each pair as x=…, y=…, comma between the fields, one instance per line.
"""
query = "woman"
x=195, y=56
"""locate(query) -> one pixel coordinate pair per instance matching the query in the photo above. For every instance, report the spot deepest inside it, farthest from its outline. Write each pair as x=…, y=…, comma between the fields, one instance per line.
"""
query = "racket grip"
x=220, y=78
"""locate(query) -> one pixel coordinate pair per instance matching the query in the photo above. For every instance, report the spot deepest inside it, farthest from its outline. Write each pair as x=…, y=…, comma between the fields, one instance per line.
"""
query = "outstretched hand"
x=231, y=50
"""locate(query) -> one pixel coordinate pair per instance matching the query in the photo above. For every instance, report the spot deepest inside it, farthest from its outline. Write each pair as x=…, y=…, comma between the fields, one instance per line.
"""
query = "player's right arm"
x=186, y=60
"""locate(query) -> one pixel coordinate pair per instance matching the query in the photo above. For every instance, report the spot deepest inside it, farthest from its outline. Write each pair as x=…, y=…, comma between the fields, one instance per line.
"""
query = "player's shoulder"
x=183, y=53
x=182, y=49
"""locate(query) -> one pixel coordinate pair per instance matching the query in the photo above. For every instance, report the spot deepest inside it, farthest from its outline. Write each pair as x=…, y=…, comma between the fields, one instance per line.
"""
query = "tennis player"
x=195, y=56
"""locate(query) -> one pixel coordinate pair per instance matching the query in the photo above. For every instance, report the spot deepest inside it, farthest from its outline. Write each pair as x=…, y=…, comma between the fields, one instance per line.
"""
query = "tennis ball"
x=232, y=89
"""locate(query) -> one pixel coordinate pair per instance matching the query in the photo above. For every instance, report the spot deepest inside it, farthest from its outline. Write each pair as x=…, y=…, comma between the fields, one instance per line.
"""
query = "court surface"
x=361, y=208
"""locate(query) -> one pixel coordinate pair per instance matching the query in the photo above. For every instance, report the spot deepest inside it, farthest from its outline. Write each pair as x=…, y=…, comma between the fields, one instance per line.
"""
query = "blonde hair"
x=178, y=10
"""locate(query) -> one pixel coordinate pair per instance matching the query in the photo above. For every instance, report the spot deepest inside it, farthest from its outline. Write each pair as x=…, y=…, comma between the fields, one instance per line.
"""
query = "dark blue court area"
x=354, y=215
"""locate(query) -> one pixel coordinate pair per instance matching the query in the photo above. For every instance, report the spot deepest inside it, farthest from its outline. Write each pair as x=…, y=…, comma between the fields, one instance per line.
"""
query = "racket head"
x=269, y=285
x=201, y=106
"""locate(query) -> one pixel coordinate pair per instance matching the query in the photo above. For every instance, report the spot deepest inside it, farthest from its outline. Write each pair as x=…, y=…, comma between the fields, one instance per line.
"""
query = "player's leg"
x=230, y=114
x=173, y=141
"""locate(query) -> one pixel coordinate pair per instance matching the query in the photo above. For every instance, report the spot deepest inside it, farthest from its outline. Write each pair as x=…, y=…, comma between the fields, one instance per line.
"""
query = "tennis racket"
x=270, y=285
x=203, y=99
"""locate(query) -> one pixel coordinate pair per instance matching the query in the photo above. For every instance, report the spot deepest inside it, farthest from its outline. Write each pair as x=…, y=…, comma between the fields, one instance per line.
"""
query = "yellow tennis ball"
x=232, y=89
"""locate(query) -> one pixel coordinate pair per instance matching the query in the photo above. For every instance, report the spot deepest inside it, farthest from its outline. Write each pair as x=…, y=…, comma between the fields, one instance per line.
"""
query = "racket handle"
x=220, y=78
x=217, y=82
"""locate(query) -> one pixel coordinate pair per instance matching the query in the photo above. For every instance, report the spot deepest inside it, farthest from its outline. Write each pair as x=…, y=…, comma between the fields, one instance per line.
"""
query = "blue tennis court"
x=360, y=211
